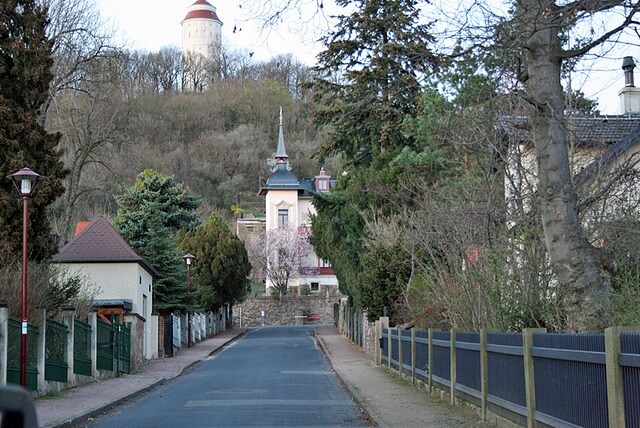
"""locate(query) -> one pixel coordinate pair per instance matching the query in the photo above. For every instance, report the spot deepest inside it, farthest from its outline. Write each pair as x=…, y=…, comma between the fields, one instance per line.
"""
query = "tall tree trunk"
x=580, y=270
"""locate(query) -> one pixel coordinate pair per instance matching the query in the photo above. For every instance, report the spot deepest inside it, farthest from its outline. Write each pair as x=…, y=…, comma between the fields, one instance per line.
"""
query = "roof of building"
x=583, y=130
x=206, y=11
x=281, y=179
x=99, y=242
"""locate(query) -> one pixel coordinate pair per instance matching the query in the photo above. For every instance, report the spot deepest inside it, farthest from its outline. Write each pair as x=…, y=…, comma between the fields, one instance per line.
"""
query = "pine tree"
x=25, y=75
x=150, y=214
x=368, y=77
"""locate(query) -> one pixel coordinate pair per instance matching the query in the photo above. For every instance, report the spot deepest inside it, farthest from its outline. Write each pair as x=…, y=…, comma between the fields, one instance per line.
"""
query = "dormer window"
x=323, y=185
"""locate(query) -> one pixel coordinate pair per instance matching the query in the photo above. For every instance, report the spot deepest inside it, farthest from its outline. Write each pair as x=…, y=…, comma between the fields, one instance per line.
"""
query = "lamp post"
x=189, y=258
x=26, y=182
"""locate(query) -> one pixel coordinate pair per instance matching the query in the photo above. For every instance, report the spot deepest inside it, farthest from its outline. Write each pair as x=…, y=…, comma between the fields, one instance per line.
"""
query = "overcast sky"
x=151, y=25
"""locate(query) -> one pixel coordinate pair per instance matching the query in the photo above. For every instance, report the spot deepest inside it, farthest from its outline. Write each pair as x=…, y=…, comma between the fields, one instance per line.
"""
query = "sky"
x=150, y=25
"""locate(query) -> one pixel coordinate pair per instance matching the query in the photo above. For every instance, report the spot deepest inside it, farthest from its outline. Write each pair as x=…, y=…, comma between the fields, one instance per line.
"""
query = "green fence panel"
x=55, y=352
x=104, y=346
x=13, y=354
x=82, y=348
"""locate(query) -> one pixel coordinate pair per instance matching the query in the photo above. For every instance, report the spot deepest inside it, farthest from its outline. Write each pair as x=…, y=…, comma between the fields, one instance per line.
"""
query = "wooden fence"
x=530, y=378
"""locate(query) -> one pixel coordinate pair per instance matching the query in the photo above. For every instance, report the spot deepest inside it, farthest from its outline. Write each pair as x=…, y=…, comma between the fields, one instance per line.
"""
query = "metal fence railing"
x=55, y=352
x=82, y=348
x=13, y=354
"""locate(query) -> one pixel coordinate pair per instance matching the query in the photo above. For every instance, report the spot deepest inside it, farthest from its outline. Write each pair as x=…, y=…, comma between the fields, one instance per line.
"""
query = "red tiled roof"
x=100, y=242
x=202, y=14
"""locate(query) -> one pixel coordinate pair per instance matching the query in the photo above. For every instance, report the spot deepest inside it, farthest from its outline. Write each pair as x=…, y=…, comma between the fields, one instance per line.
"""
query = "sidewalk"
x=388, y=400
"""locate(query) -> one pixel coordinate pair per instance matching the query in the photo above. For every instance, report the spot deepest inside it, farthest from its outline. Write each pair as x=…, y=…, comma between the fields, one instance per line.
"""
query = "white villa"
x=288, y=204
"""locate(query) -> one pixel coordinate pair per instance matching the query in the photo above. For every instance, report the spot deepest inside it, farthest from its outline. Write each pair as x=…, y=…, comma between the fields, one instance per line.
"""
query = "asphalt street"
x=273, y=376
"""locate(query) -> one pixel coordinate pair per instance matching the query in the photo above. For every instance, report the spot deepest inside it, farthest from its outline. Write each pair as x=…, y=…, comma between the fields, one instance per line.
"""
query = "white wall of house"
x=122, y=281
x=305, y=210
x=281, y=199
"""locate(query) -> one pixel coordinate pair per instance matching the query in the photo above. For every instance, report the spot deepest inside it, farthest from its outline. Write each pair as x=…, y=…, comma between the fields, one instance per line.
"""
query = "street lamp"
x=26, y=182
x=189, y=258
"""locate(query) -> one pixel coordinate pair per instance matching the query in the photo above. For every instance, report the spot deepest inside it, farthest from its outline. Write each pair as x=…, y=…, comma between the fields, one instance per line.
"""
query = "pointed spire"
x=281, y=153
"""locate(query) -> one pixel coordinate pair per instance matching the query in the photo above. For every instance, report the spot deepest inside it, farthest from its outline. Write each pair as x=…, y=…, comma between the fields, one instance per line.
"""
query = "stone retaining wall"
x=296, y=310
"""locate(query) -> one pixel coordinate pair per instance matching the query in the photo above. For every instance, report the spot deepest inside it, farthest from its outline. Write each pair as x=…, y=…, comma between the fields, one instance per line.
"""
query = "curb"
x=352, y=392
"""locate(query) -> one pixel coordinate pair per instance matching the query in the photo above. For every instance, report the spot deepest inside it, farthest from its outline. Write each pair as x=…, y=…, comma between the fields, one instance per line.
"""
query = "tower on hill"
x=201, y=41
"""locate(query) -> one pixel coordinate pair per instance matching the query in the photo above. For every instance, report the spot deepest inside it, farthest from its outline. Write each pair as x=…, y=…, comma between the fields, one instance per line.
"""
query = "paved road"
x=273, y=376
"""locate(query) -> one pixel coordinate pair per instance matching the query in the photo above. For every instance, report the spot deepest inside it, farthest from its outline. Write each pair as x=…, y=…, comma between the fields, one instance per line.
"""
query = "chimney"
x=629, y=95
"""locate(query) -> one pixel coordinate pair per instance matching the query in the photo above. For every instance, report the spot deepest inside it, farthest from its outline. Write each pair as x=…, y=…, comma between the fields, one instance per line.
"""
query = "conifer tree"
x=368, y=77
x=25, y=76
x=150, y=214
x=222, y=268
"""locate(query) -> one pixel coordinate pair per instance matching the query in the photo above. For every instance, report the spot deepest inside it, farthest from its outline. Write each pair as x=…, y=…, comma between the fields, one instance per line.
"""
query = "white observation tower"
x=201, y=29
x=201, y=42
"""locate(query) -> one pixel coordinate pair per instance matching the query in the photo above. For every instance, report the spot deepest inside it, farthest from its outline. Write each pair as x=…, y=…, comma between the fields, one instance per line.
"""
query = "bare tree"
x=79, y=37
x=282, y=252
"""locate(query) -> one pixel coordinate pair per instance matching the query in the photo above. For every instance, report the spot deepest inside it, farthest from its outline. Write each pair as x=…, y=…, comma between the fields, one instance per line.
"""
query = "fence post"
x=42, y=349
x=4, y=341
x=484, y=372
x=384, y=323
x=413, y=355
x=376, y=346
x=93, y=322
x=400, y=356
x=615, y=391
x=69, y=317
x=453, y=366
x=390, y=341
x=430, y=360
x=529, y=378
x=177, y=321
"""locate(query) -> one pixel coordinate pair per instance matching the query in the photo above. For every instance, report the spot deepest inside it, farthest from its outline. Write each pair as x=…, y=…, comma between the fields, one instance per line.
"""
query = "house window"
x=323, y=185
x=323, y=263
x=315, y=286
x=144, y=305
x=283, y=217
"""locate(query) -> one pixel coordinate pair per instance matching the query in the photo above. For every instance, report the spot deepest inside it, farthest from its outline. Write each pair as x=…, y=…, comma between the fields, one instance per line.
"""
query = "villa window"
x=323, y=263
x=315, y=286
x=283, y=218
